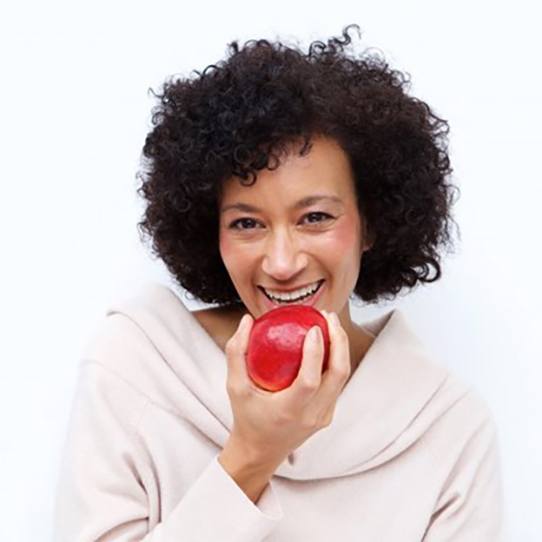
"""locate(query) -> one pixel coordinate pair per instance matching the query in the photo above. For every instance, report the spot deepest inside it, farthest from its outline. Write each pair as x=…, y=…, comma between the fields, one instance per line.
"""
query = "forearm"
x=249, y=474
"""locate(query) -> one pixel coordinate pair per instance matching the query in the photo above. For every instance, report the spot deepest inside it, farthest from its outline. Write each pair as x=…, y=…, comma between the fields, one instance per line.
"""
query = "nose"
x=282, y=258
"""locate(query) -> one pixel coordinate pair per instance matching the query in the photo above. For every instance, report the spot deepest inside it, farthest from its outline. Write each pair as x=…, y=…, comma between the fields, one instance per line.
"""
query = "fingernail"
x=313, y=333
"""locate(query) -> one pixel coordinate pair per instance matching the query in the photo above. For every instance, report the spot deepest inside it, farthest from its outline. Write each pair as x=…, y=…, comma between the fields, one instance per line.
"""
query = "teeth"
x=293, y=295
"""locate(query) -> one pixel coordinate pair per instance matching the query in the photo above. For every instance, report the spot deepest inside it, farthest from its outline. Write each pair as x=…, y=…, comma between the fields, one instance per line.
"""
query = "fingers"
x=309, y=377
x=339, y=366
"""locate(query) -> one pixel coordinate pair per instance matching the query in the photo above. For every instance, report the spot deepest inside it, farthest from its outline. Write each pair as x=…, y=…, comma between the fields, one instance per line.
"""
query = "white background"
x=74, y=114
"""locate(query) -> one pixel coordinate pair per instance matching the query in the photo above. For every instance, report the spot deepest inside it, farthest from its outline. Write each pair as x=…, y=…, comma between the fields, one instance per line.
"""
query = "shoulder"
x=463, y=416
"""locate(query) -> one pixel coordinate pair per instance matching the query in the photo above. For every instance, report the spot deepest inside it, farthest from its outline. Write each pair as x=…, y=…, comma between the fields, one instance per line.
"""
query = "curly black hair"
x=241, y=114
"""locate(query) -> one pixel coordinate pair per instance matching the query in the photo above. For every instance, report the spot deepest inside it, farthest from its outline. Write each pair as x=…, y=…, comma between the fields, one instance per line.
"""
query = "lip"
x=292, y=289
x=310, y=301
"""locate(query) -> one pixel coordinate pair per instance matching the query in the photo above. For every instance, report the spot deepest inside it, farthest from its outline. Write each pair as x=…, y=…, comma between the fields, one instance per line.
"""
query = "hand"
x=269, y=425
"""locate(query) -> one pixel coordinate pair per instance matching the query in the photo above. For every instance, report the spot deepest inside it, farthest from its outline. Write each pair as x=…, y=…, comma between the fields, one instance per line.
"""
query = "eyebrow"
x=300, y=204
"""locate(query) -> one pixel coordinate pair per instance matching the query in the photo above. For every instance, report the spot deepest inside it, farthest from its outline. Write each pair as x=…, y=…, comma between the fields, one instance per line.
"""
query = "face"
x=277, y=235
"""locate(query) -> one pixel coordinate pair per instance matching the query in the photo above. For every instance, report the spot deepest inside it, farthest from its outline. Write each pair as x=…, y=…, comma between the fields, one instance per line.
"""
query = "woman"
x=347, y=195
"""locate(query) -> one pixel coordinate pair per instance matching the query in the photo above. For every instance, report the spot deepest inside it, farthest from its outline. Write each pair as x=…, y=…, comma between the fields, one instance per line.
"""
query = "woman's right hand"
x=269, y=425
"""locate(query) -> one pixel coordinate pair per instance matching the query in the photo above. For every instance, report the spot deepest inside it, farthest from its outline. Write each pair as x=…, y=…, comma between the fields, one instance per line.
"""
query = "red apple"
x=275, y=348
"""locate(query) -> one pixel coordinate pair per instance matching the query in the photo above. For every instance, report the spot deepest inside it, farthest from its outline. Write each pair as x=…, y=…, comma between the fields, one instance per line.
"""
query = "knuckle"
x=236, y=389
x=280, y=417
x=342, y=372
x=310, y=422
x=339, y=372
x=326, y=422
x=327, y=419
x=231, y=388
x=309, y=383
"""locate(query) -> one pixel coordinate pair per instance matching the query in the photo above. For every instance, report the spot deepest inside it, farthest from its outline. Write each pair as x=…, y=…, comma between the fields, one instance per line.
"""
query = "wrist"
x=249, y=473
x=237, y=452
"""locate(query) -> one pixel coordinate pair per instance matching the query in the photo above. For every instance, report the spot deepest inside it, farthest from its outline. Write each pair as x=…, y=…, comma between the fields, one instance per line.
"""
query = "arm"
x=470, y=507
x=251, y=476
x=102, y=490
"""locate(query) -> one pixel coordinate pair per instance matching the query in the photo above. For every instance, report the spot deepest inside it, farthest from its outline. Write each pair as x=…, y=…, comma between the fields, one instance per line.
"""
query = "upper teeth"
x=292, y=295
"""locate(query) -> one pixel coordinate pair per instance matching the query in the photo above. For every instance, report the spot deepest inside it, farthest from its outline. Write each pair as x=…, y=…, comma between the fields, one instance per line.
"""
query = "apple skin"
x=275, y=347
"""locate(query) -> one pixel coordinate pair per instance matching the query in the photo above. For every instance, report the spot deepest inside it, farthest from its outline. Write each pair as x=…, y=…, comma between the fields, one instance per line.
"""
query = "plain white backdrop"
x=75, y=109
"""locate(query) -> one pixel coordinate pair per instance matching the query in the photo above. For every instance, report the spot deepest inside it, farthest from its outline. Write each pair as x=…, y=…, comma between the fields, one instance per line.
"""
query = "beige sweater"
x=412, y=453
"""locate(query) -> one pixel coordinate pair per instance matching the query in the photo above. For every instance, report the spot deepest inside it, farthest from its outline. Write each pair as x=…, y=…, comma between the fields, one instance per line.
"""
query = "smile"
x=305, y=296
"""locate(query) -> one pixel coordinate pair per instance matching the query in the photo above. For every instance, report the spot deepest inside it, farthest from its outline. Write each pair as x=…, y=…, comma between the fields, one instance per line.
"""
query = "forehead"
x=325, y=169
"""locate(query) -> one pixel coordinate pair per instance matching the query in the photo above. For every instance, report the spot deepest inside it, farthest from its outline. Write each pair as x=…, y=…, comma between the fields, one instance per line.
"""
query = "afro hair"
x=241, y=114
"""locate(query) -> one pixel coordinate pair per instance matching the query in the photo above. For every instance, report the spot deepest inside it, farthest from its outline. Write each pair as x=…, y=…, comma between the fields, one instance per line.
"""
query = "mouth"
x=309, y=299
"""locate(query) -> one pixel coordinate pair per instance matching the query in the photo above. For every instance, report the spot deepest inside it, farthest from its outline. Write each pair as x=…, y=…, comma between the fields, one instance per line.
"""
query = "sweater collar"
x=382, y=409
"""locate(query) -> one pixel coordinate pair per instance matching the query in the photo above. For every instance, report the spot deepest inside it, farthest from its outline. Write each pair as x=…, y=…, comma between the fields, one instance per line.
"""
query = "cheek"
x=223, y=244
x=234, y=254
x=227, y=250
x=344, y=238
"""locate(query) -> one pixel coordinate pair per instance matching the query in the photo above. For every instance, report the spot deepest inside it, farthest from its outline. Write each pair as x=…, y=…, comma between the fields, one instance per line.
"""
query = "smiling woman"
x=278, y=250
x=281, y=177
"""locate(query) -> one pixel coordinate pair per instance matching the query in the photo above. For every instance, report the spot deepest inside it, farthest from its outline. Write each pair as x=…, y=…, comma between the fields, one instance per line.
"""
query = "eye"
x=247, y=221
x=233, y=225
x=318, y=213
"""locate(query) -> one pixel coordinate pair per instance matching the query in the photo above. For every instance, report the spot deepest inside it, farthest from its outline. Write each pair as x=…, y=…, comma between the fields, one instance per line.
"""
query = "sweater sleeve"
x=101, y=496
x=470, y=507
